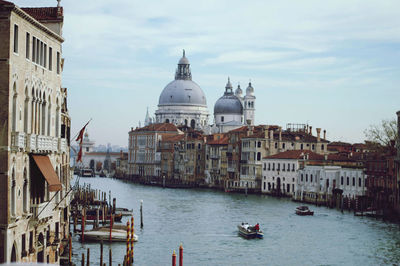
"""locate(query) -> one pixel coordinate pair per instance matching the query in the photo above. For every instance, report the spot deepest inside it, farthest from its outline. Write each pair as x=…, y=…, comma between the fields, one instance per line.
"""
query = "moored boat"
x=124, y=211
x=249, y=231
x=304, y=210
x=103, y=233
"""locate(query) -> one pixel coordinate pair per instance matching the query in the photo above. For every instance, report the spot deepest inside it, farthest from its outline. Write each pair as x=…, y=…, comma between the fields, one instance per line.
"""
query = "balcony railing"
x=37, y=143
x=214, y=156
x=18, y=141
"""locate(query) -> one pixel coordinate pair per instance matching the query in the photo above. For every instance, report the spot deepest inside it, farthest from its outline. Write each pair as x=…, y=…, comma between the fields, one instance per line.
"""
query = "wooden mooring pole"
x=173, y=258
x=181, y=255
x=141, y=213
x=101, y=252
x=88, y=257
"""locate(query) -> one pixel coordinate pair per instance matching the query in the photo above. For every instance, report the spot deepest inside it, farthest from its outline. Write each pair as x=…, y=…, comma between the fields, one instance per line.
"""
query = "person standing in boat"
x=257, y=227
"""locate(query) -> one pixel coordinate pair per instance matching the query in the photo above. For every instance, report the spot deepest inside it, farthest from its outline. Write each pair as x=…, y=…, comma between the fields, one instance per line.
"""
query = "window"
x=283, y=167
x=58, y=71
x=276, y=145
x=199, y=146
x=23, y=248
x=44, y=55
x=269, y=166
x=311, y=178
x=259, y=144
x=273, y=167
x=359, y=181
x=322, y=147
x=16, y=39
x=341, y=180
x=306, y=177
x=327, y=183
x=313, y=147
x=33, y=49
x=28, y=37
x=222, y=119
x=264, y=185
x=301, y=146
x=292, y=167
x=279, y=166
x=283, y=145
x=348, y=181
x=258, y=156
x=354, y=181
x=50, y=58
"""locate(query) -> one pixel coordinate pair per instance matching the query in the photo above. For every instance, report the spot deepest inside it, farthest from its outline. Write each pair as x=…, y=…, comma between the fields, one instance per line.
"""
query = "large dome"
x=182, y=92
x=228, y=103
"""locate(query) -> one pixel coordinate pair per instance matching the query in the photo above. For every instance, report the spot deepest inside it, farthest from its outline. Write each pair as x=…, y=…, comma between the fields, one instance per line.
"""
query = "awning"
x=44, y=164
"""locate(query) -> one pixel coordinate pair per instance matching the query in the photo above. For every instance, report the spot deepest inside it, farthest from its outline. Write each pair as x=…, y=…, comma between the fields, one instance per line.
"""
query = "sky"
x=332, y=64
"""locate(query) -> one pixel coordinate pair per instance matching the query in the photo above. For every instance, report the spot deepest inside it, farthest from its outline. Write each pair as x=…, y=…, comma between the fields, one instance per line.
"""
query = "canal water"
x=205, y=222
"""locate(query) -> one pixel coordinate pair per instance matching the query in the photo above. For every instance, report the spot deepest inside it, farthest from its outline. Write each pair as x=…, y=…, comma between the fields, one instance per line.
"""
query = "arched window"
x=258, y=156
x=43, y=130
x=222, y=118
x=311, y=178
x=341, y=180
x=348, y=181
x=48, y=116
x=167, y=120
x=354, y=181
x=14, y=109
x=33, y=110
x=13, y=193
x=58, y=120
x=26, y=110
x=192, y=123
x=25, y=193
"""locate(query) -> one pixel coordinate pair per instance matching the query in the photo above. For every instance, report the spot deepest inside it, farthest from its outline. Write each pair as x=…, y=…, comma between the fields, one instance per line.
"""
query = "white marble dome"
x=182, y=92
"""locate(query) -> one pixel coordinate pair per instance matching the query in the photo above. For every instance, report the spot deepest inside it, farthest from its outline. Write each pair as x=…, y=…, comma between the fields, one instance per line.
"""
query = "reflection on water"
x=205, y=221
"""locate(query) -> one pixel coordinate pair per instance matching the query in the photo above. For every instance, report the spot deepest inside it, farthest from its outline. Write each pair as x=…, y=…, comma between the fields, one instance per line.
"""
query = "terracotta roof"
x=221, y=141
x=158, y=127
x=45, y=13
x=172, y=138
x=339, y=143
x=296, y=154
x=240, y=129
x=2, y=2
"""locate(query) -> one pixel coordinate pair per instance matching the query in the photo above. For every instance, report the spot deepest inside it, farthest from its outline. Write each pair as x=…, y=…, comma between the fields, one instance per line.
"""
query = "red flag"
x=81, y=132
x=79, y=158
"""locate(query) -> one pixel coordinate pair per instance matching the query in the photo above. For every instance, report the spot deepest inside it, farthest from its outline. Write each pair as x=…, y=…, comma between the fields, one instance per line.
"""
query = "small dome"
x=183, y=60
x=250, y=90
x=228, y=103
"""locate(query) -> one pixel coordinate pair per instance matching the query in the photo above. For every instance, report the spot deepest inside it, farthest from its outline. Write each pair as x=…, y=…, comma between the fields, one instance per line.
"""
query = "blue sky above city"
x=331, y=64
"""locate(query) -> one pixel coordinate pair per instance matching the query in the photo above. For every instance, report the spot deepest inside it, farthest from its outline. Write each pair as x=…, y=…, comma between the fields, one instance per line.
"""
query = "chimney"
x=324, y=134
x=318, y=134
x=310, y=132
x=280, y=133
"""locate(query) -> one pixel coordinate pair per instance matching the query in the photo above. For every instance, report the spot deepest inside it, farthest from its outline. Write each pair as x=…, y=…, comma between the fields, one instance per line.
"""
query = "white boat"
x=124, y=211
x=249, y=231
x=304, y=210
x=117, y=235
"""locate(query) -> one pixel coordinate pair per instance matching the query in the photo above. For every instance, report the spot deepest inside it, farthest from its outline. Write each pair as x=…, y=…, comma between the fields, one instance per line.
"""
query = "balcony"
x=42, y=210
x=231, y=169
x=18, y=141
x=37, y=143
x=214, y=156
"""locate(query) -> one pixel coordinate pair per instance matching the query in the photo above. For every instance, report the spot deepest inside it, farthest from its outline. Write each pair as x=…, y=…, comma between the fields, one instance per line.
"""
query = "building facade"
x=35, y=131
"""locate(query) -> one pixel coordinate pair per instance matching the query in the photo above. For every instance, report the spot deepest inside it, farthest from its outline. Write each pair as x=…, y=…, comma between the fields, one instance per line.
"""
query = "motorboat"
x=248, y=231
x=304, y=210
x=124, y=211
x=103, y=233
